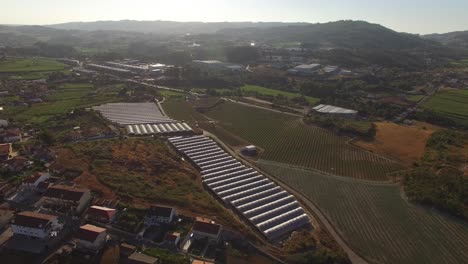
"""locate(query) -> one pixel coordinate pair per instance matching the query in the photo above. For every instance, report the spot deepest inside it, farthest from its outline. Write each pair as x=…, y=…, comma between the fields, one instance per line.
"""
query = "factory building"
x=110, y=70
x=132, y=68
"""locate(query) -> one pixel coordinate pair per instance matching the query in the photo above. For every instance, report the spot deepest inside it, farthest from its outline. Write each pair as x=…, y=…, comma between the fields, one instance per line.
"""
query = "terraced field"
x=287, y=139
x=376, y=221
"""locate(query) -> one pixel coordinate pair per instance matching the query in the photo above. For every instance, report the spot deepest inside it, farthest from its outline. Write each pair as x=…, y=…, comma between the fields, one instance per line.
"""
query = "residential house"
x=205, y=228
x=6, y=189
x=3, y=123
x=140, y=258
x=74, y=198
x=18, y=163
x=126, y=249
x=90, y=237
x=33, y=181
x=101, y=214
x=159, y=215
x=5, y=151
x=172, y=239
x=36, y=225
x=12, y=135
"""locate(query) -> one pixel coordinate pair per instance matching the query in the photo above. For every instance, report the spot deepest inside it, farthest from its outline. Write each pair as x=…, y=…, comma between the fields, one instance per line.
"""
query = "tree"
x=243, y=54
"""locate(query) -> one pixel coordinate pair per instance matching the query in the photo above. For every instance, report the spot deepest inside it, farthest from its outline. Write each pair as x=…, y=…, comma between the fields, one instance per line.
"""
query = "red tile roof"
x=5, y=149
x=33, y=219
x=89, y=233
x=101, y=212
x=33, y=178
x=67, y=193
x=206, y=227
x=171, y=237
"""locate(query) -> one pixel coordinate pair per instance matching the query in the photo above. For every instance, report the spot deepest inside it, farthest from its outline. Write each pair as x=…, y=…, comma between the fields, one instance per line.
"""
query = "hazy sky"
x=415, y=16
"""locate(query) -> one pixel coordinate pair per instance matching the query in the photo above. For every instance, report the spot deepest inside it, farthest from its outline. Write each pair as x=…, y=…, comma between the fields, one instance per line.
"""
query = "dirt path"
x=260, y=107
x=310, y=207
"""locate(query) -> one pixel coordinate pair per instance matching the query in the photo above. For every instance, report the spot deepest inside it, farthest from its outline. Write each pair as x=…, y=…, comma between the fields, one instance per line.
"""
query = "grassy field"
x=376, y=221
x=452, y=104
x=460, y=63
x=30, y=68
x=414, y=98
x=287, y=139
x=65, y=99
x=272, y=92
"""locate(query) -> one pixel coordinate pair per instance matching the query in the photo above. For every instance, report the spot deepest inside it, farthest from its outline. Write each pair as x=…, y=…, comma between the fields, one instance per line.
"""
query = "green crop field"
x=272, y=92
x=376, y=221
x=287, y=139
x=452, y=104
x=64, y=100
x=30, y=68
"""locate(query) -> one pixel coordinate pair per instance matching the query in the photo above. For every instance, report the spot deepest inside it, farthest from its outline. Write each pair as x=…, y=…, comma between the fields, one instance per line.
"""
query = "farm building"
x=133, y=113
x=272, y=210
x=305, y=69
x=250, y=150
x=335, y=111
x=159, y=129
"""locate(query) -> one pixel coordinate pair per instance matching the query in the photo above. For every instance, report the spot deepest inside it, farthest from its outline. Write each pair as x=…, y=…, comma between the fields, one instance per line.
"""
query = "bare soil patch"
x=403, y=143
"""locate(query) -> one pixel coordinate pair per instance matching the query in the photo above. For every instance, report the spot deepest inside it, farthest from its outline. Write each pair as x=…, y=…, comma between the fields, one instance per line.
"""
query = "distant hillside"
x=351, y=43
x=342, y=34
x=457, y=39
x=166, y=27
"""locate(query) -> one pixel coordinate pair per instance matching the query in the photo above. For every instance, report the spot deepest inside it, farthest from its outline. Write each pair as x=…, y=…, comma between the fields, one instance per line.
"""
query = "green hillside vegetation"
x=376, y=221
x=439, y=180
x=452, y=105
x=259, y=90
x=65, y=99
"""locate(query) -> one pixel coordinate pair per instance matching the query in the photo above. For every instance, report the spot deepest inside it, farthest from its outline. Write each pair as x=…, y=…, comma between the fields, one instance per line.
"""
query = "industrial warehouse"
x=271, y=209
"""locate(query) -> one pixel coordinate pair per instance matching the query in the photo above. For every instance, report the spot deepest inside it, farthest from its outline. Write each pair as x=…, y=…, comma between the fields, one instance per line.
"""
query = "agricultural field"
x=29, y=68
x=403, y=143
x=272, y=92
x=451, y=104
x=65, y=99
x=376, y=221
x=285, y=138
x=414, y=98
